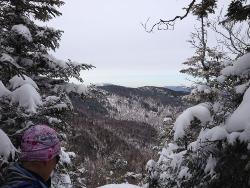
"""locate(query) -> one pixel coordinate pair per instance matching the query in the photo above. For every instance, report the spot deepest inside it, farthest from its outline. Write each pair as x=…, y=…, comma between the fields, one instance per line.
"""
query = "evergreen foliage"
x=210, y=145
x=239, y=10
x=33, y=83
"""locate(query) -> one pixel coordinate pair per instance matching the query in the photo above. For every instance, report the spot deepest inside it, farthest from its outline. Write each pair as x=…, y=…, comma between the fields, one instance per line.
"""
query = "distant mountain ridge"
x=173, y=88
x=162, y=95
x=179, y=88
x=146, y=104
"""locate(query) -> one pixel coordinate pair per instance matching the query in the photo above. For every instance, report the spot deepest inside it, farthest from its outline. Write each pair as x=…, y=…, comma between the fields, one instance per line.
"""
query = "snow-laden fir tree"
x=210, y=146
x=33, y=83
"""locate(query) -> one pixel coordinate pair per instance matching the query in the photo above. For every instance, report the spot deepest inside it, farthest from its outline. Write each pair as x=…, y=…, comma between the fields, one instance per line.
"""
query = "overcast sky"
x=108, y=35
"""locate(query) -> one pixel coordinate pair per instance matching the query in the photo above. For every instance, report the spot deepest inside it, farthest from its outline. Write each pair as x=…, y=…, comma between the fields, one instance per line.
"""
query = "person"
x=40, y=152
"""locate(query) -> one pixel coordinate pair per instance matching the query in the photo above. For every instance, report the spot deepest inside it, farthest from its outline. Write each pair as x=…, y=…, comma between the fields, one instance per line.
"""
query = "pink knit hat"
x=39, y=143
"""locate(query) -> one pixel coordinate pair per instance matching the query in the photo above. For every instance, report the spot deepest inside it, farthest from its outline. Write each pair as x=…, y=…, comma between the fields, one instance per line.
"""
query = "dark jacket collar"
x=38, y=177
x=17, y=174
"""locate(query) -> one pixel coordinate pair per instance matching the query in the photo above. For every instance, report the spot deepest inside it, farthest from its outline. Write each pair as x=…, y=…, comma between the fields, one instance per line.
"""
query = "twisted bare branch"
x=169, y=24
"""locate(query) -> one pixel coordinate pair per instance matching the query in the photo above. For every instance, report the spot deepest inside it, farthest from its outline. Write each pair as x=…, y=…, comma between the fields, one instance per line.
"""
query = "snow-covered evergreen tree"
x=33, y=83
x=210, y=146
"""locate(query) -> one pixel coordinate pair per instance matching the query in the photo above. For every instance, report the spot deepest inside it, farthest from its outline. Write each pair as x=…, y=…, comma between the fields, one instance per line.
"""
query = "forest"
x=121, y=137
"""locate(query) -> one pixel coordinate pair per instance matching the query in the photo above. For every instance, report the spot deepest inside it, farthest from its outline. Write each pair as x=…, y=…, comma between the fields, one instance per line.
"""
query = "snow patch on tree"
x=240, y=89
x=76, y=88
x=214, y=134
x=4, y=92
x=61, y=181
x=211, y=163
x=65, y=157
x=19, y=80
x=240, y=119
x=119, y=186
x=22, y=30
x=243, y=137
x=201, y=88
x=184, y=174
x=6, y=147
x=52, y=120
x=6, y=58
x=27, y=97
x=221, y=78
x=200, y=111
x=51, y=99
x=239, y=67
x=192, y=146
x=60, y=106
x=54, y=63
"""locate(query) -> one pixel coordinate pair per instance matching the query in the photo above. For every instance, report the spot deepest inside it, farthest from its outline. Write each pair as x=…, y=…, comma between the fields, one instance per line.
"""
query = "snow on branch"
x=183, y=122
x=76, y=88
x=63, y=69
x=4, y=92
x=214, y=134
x=23, y=31
x=239, y=67
x=7, y=59
x=6, y=147
x=27, y=97
x=119, y=186
x=210, y=166
x=18, y=81
x=240, y=119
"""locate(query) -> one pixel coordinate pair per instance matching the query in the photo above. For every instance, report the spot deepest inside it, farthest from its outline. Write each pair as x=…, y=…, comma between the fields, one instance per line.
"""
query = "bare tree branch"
x=234, y=36
x=169, y=24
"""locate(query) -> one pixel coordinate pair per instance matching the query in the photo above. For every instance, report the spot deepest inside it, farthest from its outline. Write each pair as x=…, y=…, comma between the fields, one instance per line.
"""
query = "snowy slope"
x=145, y=104
x=118, y=126
x=119, y=186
